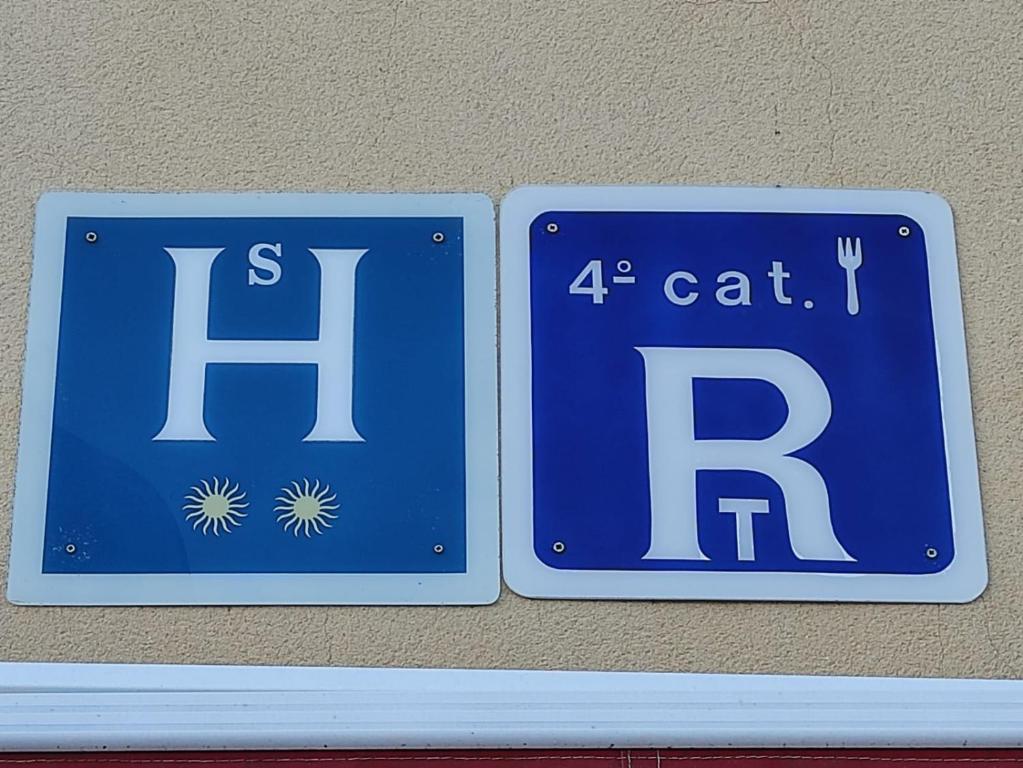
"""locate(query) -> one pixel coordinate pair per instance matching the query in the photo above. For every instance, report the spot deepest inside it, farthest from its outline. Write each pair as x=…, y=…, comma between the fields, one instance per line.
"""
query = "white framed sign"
x=259, y=398
x=718, y=393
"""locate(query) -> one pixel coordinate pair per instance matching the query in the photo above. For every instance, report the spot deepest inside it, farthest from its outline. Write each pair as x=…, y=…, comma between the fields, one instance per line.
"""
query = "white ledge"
x=124, y=707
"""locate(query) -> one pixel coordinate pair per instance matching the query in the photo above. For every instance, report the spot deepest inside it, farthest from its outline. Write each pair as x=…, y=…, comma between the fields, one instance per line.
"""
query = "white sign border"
x=962, y=581
x=478, y=585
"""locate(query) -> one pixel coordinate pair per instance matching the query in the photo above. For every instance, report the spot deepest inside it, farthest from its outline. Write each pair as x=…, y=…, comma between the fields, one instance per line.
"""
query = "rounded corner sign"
x=246, y=398
x=713, y=393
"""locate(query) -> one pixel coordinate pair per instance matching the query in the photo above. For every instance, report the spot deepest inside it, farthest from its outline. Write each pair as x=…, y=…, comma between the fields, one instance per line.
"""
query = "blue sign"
x=736, y=394
x=276, y=389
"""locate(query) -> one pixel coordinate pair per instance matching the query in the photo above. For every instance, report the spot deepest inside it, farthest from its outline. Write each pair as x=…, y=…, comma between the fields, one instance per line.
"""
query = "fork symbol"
x=850, y=258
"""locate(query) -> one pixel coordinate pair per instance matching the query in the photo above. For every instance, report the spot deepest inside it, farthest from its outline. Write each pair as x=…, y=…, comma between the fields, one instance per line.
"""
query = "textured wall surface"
x=448, y=95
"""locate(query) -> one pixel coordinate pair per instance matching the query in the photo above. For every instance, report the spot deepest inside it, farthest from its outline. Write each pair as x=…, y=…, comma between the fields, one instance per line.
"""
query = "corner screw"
x=552, y=228
x=904, y=231
x=931, y=553
x=558, y=547
x=70, y=549
x=91, y=237
x=438, y=549
x=438, y=237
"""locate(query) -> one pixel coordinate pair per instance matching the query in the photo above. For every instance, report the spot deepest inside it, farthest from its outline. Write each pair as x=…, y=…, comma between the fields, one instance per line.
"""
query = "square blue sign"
x=290, y=397
x=736, y=394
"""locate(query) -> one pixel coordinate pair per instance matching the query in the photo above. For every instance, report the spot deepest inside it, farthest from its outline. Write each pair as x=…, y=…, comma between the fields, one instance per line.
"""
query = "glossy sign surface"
x=755, y=391
x=279, y=389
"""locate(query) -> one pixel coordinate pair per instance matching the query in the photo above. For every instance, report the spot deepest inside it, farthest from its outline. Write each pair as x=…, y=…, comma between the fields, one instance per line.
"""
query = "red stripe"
x=665, y=758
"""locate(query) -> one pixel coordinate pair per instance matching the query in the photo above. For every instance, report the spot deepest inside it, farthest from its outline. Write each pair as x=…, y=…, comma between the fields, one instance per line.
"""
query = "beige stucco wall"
x=485, y=95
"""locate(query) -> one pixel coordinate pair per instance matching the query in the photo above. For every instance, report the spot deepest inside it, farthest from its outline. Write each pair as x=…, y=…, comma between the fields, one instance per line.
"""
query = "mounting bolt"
x=558, y=547
x=438, y=237
x=552, y=228
x=931, y=553
x=438, y=549
x=70, y=549
x=904, y=231
x=91, y=237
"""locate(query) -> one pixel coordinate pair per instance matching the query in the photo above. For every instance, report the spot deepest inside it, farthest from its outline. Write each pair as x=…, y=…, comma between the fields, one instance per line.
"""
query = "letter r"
x=675, y=455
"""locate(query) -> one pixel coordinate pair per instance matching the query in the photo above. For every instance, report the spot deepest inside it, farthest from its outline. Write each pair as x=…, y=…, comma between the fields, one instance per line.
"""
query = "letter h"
x=331, y=352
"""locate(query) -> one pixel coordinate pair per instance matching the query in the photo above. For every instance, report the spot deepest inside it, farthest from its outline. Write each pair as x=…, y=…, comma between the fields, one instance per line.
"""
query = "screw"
x=904, y=231
x=438, y=237
x=438, y=549
x=552, y=228
x=91, y=237
x=559, y=547
x=70, y=549
x=931, y=553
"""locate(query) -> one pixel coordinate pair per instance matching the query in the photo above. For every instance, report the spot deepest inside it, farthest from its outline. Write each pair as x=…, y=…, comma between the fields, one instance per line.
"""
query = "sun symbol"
x=218, y=507
x=306, y=507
